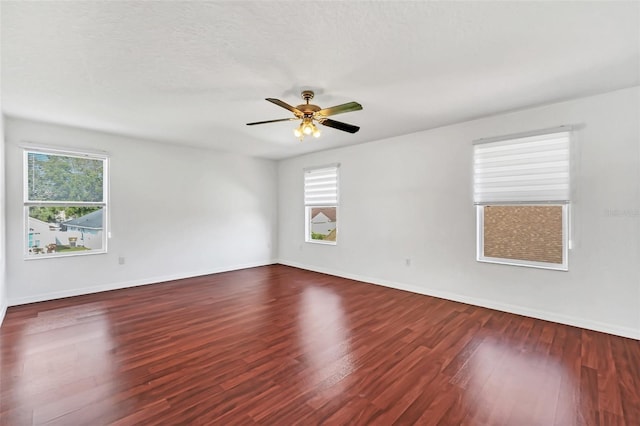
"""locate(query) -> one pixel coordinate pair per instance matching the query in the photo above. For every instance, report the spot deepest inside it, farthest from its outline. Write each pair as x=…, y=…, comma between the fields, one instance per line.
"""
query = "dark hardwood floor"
x=280, y=346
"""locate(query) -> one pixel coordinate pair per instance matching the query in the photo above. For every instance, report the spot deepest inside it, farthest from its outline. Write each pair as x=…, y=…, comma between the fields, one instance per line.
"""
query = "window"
x=65, y=203
x=522, y=194
x=321, y=204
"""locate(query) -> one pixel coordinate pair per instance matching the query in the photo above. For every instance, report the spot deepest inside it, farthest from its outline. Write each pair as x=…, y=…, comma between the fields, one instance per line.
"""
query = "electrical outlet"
x=121, y=260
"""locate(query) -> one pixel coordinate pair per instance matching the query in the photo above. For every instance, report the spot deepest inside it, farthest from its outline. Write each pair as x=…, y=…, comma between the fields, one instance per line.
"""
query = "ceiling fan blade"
x=285, y=105
x=339, y=125
x=273, y=121
x=339, y=109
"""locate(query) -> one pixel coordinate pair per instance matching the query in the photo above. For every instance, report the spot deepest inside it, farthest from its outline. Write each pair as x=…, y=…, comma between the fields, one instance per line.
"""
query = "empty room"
x=304, y=213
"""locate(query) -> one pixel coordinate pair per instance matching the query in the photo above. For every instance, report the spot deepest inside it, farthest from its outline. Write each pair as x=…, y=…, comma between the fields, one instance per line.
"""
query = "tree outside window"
x=65, y=203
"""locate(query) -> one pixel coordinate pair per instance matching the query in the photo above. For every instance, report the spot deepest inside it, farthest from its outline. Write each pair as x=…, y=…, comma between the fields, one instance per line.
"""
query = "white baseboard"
x=126, y=284
x=513, y=309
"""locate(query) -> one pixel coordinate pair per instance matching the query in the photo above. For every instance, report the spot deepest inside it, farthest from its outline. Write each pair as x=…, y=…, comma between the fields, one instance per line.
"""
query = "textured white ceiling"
x=196, y=72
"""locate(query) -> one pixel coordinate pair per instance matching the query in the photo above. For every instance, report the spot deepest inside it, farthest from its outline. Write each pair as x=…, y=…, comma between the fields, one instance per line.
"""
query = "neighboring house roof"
x=329, y=212
x=40, y=226
x=34, y=221
x=92, y=220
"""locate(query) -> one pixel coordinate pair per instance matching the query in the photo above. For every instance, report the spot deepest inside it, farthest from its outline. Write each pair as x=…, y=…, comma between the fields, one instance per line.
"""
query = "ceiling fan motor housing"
x=308, y=109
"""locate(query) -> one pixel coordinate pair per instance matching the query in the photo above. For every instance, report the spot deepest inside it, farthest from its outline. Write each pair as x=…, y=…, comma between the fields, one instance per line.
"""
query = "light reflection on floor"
x=77, y=354
x=324, y=336
x=498, y=373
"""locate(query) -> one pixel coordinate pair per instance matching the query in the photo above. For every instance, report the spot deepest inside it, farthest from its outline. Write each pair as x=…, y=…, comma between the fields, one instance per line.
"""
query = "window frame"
x=480, y=257
x=309, y=206
x=27, y=203
x=308, y=218
x=565, y=203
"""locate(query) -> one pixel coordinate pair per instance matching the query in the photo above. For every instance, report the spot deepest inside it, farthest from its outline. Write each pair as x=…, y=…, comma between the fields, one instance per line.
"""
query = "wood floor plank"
x=278, y=345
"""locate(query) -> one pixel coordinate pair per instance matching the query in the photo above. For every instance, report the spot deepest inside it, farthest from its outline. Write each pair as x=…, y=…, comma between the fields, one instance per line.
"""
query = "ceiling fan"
x=309, y=113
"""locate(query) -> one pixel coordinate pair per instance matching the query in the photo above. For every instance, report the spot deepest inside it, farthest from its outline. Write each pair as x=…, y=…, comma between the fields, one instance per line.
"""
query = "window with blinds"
x=321, y=204
x=522, y=192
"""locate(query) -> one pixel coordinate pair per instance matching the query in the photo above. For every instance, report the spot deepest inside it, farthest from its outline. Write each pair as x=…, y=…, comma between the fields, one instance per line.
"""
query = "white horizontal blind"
x=525, y=169
x=321, y=186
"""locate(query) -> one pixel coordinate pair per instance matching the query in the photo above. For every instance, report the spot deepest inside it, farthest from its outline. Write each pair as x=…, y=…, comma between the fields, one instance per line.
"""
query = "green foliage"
x=63, y=249
x=45, y=214
x=63, y=178
x=316, y=236
x=53, y=214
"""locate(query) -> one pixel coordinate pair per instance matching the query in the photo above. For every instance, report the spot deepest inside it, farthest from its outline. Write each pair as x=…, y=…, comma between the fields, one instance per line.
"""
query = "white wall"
x=422, y=183
x=3, y=289
x=3, y=283
x=175, y=212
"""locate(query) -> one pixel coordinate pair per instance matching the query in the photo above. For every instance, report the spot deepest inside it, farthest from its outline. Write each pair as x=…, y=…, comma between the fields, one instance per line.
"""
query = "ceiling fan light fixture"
x=307, y=127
